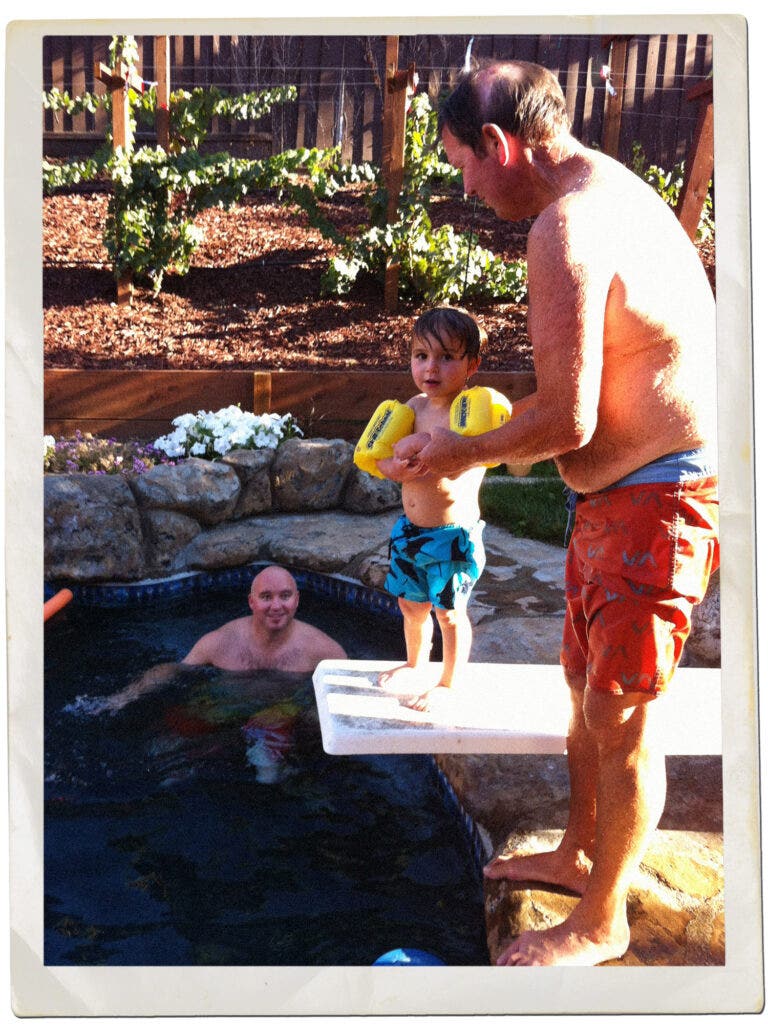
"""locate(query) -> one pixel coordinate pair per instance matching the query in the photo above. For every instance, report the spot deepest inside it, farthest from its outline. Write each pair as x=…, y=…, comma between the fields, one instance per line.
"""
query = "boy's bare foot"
x=424, y=701
x=402, y=679
x=554, y=867
x=566, y=945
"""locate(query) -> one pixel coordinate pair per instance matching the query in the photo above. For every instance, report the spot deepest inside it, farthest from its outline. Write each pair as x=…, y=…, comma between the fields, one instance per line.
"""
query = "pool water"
x=171, y=840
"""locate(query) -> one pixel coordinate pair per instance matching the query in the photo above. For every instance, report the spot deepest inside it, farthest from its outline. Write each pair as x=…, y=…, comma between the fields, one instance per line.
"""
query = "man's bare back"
x=651, y=349
x=625, y=363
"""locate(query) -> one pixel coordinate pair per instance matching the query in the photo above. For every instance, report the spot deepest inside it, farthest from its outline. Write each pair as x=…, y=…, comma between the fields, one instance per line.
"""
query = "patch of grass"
x=546, y=469
x=534, y=509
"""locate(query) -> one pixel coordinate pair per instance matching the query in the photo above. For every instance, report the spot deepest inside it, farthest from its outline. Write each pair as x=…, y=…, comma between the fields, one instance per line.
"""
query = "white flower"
x=49, y=444
x=185, y=422
x=208, y=433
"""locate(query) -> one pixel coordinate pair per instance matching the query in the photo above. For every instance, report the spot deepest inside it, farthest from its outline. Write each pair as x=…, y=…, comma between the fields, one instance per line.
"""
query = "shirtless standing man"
x=271, y=637
x=621, y=321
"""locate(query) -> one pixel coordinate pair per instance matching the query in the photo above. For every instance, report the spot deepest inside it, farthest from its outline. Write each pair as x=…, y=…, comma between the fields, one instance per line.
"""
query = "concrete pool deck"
x=497, y=709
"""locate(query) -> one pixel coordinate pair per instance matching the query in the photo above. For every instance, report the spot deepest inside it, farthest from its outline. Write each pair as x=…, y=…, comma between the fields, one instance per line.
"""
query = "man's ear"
x=497, y=143
x=473, y=366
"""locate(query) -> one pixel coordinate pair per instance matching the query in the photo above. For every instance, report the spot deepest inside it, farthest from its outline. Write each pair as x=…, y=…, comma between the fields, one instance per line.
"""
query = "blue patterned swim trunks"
x=435, y=564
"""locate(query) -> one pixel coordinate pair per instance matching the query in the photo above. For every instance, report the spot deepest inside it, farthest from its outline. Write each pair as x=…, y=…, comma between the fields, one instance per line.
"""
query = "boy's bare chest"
x=428, y=417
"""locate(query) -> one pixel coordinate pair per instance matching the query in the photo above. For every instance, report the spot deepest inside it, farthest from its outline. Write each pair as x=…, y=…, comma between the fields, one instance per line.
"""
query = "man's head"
x=499, y=128
x=274, y=598
x=523, y=99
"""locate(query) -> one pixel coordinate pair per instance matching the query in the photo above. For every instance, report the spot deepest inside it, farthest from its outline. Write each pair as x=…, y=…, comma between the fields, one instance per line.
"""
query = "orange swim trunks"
x=639, y=559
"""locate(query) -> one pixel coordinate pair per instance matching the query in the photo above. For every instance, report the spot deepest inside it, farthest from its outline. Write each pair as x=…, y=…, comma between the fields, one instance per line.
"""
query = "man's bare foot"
x=554, y=867
x=565, y=946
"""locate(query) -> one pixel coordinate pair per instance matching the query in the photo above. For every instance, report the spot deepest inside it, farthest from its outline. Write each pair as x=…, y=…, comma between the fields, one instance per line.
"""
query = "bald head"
x=274, y=577
x=522, y=98
x=274, y=599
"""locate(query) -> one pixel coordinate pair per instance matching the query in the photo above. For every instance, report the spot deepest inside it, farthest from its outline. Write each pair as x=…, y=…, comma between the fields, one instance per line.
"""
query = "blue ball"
x=408, y=958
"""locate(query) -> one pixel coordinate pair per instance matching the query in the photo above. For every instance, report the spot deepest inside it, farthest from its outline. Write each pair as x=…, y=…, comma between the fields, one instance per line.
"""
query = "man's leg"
x=631, y=788
x=568, y=865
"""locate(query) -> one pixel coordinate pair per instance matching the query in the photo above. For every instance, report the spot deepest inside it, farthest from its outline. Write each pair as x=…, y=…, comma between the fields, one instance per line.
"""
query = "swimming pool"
x=163, y=848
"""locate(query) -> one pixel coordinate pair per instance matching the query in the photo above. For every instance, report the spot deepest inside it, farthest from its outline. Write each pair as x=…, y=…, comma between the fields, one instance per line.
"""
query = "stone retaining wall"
x=201, y=515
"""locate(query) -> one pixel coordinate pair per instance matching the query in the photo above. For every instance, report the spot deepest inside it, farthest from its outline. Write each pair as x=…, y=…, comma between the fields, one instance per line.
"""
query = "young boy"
x=436, y=548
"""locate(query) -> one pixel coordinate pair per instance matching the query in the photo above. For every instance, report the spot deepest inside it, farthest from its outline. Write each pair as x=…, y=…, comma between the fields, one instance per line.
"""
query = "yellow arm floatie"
x=478, y=410
x=391, y=421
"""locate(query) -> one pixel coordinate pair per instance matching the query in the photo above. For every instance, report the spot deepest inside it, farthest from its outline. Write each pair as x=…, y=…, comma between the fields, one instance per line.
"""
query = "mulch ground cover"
x=252, y=297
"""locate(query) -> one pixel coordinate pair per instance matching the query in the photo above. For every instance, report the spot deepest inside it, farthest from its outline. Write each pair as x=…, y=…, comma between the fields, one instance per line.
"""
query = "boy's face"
x=440, y=371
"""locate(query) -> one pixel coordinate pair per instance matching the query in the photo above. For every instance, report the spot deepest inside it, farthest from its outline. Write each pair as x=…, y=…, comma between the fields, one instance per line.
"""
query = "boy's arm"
x=398, y=467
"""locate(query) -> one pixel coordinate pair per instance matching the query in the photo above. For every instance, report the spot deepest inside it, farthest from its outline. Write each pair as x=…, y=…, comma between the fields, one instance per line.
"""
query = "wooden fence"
x=340, y=82
x=142, y=403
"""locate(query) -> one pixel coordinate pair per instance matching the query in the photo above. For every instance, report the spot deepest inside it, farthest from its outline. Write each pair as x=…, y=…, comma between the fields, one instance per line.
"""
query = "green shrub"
x=156, y=196
x=534, y=508
x=668, y=185
x=435, y=264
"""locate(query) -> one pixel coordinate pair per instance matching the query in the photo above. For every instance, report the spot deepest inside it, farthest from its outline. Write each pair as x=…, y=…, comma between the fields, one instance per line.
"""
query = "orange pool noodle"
x=56, y=603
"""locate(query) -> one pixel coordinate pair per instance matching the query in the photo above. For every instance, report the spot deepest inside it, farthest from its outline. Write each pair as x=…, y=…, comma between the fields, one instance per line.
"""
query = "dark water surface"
x=203, y=824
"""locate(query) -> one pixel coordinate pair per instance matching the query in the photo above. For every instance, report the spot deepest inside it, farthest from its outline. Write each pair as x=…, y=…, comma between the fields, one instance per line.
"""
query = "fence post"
x=614, y=101
x=699, y=163
x=163, y=76
x=118, y=81
x=396, y=92
x=262, y=391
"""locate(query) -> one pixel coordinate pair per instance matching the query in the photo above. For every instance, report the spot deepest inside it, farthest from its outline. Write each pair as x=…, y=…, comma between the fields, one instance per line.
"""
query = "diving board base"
x=497, y=709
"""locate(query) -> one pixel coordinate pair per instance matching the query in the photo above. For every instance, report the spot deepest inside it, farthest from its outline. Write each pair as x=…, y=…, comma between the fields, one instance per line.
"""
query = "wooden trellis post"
x=398, y=84
x=615, y=94
x=163, y=75
x=118, y=81
x=700, y=162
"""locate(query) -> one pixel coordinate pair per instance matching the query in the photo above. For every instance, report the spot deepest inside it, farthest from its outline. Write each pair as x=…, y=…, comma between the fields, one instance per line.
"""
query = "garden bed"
x=252, y=297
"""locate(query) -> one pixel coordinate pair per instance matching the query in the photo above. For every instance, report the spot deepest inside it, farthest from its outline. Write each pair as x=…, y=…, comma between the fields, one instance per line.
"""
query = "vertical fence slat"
x=614, y=102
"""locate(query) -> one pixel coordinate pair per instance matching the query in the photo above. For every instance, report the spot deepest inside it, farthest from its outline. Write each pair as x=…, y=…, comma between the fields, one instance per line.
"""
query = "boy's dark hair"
x=445, y=324
x=522, y=98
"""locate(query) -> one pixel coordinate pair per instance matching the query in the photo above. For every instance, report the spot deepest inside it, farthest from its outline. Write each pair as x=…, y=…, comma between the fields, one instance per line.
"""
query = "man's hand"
x=410, y=445
x=447, y=454
x=400, y=470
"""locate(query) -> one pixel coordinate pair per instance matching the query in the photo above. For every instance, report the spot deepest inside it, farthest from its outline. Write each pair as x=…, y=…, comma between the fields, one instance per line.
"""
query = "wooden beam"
x=614, y=102
x=118, y=81
x=262, y=391
x=163, y=76
x=396, y=93
x=142, y=403
x=700, y=162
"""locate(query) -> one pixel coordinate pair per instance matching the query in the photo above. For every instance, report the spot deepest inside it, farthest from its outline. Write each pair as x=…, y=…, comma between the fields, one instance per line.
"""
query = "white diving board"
x=497, y=709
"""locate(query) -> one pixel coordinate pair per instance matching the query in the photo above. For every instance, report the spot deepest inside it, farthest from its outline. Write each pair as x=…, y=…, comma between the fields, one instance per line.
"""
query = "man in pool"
x=622, y=326
x=271, y=637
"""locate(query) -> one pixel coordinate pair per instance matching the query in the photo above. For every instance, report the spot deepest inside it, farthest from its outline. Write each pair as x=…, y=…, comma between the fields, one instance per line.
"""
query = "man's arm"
x=205, y=650
x=158, y=676
x=154, y=678
x=567, y=293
